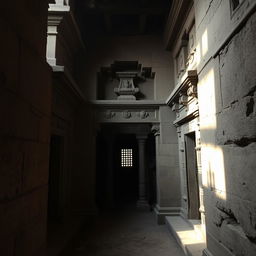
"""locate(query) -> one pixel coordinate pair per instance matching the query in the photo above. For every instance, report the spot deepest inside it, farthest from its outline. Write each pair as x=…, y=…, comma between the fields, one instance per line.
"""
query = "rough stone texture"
x=24, y=130
x=227, y=121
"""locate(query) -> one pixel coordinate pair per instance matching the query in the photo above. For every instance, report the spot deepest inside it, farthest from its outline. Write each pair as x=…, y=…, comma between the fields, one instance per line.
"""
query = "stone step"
x=189, y=235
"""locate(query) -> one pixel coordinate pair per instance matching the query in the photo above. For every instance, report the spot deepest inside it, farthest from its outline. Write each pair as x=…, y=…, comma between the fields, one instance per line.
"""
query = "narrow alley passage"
x=126, y=232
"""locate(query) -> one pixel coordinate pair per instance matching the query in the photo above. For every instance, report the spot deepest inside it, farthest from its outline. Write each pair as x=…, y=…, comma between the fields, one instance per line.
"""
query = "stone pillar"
x=142, y=202
x=165, y=178
x=56, y=13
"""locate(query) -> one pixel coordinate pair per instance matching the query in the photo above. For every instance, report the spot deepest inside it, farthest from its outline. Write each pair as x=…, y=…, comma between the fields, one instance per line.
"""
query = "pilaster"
x=142, y=202
x=56, y=13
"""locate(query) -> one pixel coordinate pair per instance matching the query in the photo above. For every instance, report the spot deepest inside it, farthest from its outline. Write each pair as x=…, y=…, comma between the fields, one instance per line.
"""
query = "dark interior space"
x=122, y=17
x=55, y=177
x=126, y=169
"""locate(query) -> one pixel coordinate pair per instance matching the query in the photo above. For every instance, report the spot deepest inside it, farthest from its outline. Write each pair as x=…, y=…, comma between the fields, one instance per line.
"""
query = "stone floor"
x=126, y=232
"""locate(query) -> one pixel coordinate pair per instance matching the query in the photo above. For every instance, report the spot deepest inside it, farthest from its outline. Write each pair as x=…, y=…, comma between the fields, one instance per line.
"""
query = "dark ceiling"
x=122, y=17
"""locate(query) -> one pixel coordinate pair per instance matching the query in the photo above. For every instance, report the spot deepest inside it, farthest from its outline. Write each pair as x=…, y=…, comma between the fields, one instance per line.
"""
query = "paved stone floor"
x=126, y=232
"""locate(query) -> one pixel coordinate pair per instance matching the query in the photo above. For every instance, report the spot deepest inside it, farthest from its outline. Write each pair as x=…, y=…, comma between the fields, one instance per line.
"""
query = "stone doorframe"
x=184, y=103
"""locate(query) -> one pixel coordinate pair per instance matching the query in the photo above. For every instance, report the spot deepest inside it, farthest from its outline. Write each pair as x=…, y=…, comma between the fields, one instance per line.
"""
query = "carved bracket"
x=186, y=90
x=155, y=129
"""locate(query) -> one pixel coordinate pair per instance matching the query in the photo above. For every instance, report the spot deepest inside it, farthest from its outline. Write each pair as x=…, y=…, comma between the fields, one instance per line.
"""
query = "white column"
x=142, y=202
x=56, y=13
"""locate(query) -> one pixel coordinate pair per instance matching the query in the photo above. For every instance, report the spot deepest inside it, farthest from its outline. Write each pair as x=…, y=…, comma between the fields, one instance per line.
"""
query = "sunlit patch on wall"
x=205, y=43
x=207, y=103
x=214, y=170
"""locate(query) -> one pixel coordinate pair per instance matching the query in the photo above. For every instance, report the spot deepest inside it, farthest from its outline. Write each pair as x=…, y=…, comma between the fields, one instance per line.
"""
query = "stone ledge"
x=162, y=212
x=188, y=237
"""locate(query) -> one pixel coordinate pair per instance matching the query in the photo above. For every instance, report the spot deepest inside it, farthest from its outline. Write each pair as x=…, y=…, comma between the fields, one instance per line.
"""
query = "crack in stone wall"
x=242, y=142
x=226, y=220
x=250, y=107
x=225, y=214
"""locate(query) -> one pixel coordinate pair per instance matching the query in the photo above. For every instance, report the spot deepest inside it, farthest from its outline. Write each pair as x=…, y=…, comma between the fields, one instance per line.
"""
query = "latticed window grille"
x=126, y=157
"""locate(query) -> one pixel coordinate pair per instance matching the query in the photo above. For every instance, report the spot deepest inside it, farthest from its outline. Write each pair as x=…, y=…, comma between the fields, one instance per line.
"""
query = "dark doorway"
x=103, y=162
x=126, y=169
x=55, y=175
x=192, y=177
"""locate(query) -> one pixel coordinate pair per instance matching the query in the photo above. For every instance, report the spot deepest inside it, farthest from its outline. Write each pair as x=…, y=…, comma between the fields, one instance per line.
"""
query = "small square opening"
x=126, y=157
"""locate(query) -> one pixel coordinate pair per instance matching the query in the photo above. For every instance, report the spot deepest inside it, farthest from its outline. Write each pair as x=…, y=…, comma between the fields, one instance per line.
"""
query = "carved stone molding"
x=155, y=129
x=192, y=91
x=188, y=87
x=126, y=89
x=129, y=74
x=183, y=99
x=143, y=114
x=127, y=114
x=110, y=114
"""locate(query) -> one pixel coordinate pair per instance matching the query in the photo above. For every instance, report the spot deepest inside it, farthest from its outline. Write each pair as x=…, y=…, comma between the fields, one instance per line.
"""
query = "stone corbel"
x=175, y=107
x=155, y=129
x=187, y=88
x=183, y=99
x=192, y=91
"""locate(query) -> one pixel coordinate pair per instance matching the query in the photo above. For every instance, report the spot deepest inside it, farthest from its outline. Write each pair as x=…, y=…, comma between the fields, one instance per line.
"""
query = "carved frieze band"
x=127, y=115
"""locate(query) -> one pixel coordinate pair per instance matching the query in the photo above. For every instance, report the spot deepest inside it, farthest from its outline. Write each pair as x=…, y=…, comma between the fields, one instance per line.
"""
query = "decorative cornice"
x=190, y=79
x=185, y=119
x=128, y=103
x=56, y=10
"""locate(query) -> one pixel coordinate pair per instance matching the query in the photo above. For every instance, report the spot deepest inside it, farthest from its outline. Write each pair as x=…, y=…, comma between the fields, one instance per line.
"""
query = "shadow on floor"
x=126, y=231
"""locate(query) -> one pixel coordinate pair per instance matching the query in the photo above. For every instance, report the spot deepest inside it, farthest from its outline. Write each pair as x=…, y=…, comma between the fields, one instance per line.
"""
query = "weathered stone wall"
x=226, y=89
x=147, y=50
x=25, y=99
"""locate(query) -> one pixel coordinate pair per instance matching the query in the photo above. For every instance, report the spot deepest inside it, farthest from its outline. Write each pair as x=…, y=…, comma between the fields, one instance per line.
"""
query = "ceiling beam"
x=127, y=9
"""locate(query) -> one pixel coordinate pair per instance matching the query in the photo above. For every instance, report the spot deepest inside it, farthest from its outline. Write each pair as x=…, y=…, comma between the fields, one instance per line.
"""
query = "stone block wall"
x=226, y=90
x=167, y=167
x=25, y=100
x=83, y=175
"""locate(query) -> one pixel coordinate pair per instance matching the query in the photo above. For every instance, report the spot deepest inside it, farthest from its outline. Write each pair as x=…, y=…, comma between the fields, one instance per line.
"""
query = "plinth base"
x=143, y=204
x=126, y=97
